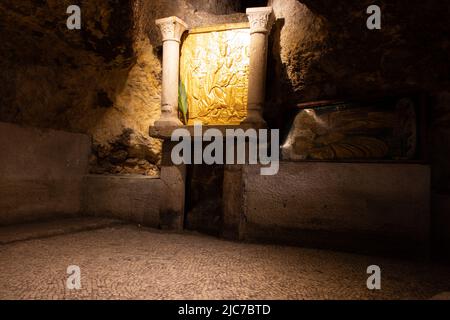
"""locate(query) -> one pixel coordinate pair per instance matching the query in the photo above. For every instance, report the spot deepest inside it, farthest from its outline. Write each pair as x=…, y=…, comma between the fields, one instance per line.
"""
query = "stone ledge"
x=34, y=153
x=129, y=198
x=368, y=201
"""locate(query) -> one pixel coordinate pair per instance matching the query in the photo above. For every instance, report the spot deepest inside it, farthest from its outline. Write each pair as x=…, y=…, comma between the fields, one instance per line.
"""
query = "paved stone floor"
x=127, y=262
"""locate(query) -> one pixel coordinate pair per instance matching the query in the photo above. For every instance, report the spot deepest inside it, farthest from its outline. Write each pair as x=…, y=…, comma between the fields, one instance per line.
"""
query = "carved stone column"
x=172, y=29
x=261, y=20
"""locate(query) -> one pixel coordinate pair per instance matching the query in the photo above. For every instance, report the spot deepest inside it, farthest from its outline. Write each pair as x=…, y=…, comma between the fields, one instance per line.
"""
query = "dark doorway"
x=204, y=192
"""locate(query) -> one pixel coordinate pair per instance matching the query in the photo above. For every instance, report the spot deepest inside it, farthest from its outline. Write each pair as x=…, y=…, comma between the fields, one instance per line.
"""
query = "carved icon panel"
x=214, y=72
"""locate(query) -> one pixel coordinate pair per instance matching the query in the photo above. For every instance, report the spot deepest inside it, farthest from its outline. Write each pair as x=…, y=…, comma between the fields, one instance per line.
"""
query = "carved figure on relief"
x=215, y=73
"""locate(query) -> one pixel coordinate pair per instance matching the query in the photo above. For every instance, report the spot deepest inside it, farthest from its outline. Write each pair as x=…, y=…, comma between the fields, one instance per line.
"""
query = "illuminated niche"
x=214, y=67
x=213, y=75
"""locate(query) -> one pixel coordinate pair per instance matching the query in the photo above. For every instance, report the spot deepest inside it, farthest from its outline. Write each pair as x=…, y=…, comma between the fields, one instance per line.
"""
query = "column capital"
x=261, y=19
x=172, y=28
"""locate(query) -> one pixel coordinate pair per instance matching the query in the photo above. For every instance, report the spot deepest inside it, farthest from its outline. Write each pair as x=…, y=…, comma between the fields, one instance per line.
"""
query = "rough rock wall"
x=103, y=80
x=98, y=80
x=323, y=49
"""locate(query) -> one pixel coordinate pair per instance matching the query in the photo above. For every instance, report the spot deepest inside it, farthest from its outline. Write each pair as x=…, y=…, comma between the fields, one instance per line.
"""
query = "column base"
x=255, y=122
x=170, y=122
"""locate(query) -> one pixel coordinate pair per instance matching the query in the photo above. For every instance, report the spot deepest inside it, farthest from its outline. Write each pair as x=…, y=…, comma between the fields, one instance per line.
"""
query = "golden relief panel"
x=214, y=71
